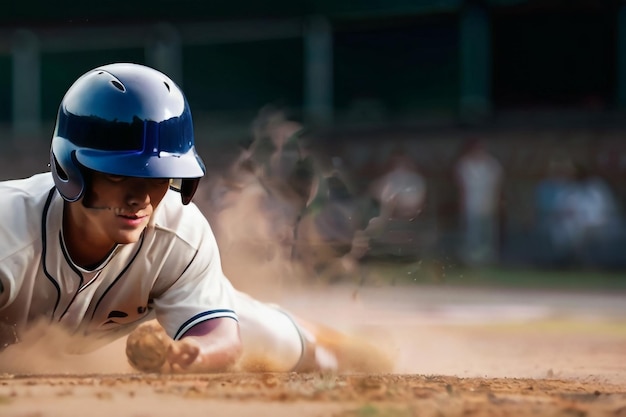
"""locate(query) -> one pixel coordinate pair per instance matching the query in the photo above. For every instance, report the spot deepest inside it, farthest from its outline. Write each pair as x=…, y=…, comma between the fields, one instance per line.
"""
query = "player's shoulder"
x=22, y=196
x=32, y=186
x=187, y=222
x=22, y=203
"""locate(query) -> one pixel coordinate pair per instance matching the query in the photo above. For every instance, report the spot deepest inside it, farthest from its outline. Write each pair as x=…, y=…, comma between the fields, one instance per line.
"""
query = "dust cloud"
x=49, y=349
x=426, y=330
x=253, y=242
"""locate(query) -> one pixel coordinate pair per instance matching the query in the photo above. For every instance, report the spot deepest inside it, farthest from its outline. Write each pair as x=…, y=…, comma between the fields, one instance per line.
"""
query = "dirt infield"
x=457, y=352
x=306, y=395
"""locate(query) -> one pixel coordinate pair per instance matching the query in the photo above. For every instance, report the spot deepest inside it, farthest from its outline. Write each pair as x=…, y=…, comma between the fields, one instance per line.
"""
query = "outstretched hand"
x=182, y=354
x=150, y=349
x=211, y=346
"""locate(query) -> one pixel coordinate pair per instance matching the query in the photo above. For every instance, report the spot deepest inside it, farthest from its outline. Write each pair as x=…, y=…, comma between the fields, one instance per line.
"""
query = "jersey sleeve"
x=202, y=292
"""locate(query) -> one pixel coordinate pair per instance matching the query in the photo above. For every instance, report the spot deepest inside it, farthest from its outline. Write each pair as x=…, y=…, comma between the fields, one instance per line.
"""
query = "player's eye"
x=160, y=181
x=115, y=178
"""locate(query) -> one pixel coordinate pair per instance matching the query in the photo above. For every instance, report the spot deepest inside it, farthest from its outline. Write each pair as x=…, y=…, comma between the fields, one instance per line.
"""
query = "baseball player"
x=109, y=239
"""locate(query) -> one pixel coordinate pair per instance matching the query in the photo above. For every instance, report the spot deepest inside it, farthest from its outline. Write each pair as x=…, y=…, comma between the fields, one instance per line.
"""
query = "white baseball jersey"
x=174, y=270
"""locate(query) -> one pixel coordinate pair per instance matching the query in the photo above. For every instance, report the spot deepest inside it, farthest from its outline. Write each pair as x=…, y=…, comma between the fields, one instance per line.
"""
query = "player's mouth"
x=132, y=220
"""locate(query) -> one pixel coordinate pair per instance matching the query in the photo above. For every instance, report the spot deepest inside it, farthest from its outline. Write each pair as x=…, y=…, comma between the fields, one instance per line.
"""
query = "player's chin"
x=128, y=236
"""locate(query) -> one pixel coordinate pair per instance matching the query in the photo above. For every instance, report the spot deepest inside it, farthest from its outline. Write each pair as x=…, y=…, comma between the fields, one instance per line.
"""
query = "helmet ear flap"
x=68, y=178
x=188, y=188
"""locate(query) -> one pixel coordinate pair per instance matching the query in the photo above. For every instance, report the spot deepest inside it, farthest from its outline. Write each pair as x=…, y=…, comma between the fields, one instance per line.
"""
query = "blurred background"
x=465, y=135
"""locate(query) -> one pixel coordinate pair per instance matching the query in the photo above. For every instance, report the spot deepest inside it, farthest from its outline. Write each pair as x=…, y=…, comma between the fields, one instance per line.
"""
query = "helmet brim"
x=142, y=165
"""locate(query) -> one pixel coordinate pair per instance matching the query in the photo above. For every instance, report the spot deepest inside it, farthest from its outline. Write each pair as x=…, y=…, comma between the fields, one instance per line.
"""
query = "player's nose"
x=137, y=194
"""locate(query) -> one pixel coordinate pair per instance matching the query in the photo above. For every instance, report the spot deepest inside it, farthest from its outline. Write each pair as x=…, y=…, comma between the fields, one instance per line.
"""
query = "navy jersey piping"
x=190, y=262
x=93, y=313
x=184, y=270
x=203, y=314
x=44, y=251
x=80, y=275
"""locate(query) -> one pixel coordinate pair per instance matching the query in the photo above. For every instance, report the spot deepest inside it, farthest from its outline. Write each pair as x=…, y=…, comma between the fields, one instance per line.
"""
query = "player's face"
x=119, y=208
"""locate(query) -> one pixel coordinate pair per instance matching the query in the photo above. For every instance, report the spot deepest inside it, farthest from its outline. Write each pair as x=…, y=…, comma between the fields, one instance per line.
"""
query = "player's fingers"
x=182, y=354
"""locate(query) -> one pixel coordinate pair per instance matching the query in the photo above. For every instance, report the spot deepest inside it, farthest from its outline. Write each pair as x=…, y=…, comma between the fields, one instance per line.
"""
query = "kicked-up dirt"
x=457, y=352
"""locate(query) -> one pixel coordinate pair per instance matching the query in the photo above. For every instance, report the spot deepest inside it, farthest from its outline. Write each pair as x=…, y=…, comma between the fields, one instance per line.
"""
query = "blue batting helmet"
x=124, y=119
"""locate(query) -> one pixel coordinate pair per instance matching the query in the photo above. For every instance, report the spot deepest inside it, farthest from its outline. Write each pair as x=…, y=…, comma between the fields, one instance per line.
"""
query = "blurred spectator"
x=555, y=224
x=267, y=159
x=280, y=165
x=400, y=194
x=275, y=151
x=578, y=218
x=479, y=177
x=401, y=189
x=597, y=218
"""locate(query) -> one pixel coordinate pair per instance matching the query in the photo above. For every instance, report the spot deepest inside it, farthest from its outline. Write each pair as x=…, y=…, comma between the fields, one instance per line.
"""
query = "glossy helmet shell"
x=124, y=119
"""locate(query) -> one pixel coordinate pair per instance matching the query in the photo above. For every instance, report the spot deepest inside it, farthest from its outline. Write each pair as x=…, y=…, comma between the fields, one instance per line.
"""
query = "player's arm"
x=196, y=309
x=210, y=346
